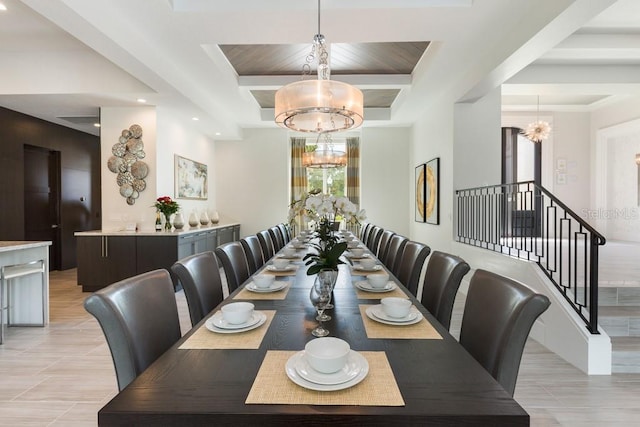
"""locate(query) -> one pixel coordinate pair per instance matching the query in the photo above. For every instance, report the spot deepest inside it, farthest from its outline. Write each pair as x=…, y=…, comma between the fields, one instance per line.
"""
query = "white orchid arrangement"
x=315, y=206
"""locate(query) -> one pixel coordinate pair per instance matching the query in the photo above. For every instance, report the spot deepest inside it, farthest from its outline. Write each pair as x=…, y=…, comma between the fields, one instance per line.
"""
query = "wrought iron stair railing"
x=526, y=221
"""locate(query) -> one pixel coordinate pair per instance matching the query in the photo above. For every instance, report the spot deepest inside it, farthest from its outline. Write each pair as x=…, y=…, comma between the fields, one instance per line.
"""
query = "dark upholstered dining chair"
x=276, y=238
x=409, y=267
x=364, y=230
x=253, y=252
x=385, y=237
x=199, y=275
x=498, y=315
x=374, y=238
x=234, y=263
x=367, y=234
x=139, y=319
x=266, y=243
x=284, y=230
x=441, y=282
x=394, y=251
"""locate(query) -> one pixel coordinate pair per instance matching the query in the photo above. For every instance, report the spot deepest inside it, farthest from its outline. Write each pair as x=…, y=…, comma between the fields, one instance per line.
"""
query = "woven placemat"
x=245, y=294
x=357, y=272
x=272, y=386
x=204, y=339
x=397, y=292
x=421, y=330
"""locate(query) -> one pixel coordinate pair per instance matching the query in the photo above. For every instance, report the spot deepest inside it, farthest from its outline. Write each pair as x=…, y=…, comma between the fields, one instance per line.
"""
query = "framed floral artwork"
x=191, y=181
x=432, y=191
x=420, y=193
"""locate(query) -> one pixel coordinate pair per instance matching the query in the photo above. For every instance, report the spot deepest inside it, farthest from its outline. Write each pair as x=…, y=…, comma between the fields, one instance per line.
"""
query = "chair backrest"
x=367, y=234
x=364, y=230
x=284, y=230
x=139, y=319
x=385, y=237
x=498, y=315
x=374, y=238
x=441, y=282
x=266, y=243
x=253, y=251
x=200, y=278
x=409, y=267
x=276, y=238
x=234, y=263
x=394, y=250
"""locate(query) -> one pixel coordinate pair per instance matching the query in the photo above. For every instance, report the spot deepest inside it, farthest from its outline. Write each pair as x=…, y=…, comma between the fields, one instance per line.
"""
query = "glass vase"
x=167, y=222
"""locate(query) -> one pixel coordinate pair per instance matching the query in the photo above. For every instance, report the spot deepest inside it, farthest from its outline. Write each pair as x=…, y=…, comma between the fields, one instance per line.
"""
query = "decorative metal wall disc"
x=126, y=163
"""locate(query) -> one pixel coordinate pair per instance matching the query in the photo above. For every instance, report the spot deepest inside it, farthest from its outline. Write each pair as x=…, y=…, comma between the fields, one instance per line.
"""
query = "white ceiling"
x=67, y=58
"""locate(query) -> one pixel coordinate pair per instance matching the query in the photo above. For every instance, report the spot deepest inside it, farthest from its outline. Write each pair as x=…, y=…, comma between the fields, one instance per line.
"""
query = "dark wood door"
x=42, y=199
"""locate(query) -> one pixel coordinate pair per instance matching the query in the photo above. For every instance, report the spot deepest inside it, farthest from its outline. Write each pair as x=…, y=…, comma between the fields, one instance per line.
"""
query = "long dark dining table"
x=440, y=383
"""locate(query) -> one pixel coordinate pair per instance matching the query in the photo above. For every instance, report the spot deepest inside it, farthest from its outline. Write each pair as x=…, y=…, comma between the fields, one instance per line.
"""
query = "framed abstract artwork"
x=191, y=181
x=432, y=191
x=420, y=193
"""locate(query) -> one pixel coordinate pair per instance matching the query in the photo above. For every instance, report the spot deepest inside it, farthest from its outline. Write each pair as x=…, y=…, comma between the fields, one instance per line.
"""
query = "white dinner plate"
x=210, y=325
x=283, y=256
x=350, y=371
x=274, y=268
x=360, y=267
x=363, y=285
x=375, y=313
x=274, y=287
x=290, y=368
x=352, y=256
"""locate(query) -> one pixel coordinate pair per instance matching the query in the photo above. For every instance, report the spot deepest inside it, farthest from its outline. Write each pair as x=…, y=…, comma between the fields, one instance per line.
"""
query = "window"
x=329, y=181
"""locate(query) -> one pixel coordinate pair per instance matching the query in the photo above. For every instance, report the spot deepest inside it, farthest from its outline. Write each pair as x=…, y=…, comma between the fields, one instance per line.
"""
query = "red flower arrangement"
x=166, y=206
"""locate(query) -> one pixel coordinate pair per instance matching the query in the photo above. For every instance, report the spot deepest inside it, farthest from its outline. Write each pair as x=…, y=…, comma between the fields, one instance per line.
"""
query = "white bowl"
x=368, y=263
x=237, y=313
x=327, y=355
x=263, y=281
x=280, y=263
x=357, y=251
x=396, y=307
x=288, y=251
x=378, y=281
x=348, y=238
x=352, y=244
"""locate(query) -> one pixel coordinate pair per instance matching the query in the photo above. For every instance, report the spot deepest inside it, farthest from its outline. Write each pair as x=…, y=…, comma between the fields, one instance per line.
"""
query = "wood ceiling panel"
x=359, y=58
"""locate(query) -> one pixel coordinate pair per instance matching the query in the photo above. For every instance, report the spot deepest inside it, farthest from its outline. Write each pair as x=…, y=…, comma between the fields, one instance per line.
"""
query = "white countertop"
x=184, y=231
x=8, y=245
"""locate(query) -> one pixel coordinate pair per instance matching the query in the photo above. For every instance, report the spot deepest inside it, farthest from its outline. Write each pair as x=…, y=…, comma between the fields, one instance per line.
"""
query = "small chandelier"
x=324, y=156
x=539, y=130
x=321, y=105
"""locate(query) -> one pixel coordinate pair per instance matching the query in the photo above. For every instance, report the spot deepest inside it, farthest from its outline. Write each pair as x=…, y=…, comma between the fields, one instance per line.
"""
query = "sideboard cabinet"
x=105, y=258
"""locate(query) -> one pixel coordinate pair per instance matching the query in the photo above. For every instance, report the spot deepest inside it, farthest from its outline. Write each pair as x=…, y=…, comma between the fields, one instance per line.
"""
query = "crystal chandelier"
x=321, y=105
x=324, y=156
x=539, y=130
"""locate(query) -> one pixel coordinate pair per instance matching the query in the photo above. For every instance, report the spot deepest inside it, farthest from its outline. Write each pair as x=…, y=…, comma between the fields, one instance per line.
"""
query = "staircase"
x=620, y=319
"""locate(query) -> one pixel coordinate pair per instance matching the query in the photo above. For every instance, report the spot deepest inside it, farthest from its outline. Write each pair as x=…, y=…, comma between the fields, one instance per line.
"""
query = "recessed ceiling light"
x=3, y=7
x=218, y=134
x=195, y=119
x=96, y=125
x=142, y=100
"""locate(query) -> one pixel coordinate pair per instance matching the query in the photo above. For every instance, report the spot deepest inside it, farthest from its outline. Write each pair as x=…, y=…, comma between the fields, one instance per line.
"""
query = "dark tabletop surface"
x=440, y=382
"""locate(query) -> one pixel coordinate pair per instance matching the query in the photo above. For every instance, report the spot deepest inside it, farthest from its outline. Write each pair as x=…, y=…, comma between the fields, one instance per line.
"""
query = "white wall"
x=251, y=175
x=165, y=133
x=115, y=210
x=433, y=137
x=178, y=135
x=384, y=173
x=616, y=210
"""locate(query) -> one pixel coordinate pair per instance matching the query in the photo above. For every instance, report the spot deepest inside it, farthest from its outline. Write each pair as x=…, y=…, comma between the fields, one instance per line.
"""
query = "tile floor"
x=61, y=375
